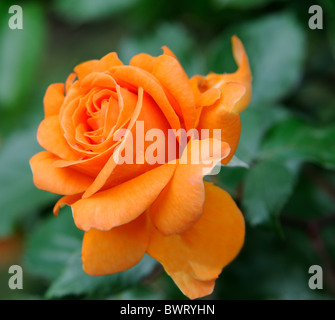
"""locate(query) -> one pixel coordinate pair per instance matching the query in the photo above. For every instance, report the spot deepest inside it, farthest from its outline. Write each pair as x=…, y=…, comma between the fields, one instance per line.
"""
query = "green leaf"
x=18, y=194
x=294, y=139
x=230, y=179
x=74, y=281
x=275, y=69
x=268, y=186
x=52, y=244
x=90, y=10
x=310, y=200
x=255, y=123
x=20, y=54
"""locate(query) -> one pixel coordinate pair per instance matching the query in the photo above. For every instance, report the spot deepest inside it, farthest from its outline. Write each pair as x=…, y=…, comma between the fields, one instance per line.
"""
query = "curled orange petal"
x=241, y=76
x=220, y=115
x=66, y=200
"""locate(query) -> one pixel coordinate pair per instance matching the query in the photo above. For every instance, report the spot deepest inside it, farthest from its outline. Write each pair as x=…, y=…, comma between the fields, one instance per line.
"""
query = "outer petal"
x=85, y=68
x=116, y=250
x=168, y=52
x=242, y=76
x=231, y=95
x=219, y=116
x=192, y=287
x=70, y=81
x=53, y=99
x=195, y=258
x=57, y=180
x=123, y=203
x=109, y=61
x=167, y=69
x=144, y=61
x=104, y=64
x=51, y=138
x=148, y=63
x=66, y=200
x=180, y=204
x=209, y=97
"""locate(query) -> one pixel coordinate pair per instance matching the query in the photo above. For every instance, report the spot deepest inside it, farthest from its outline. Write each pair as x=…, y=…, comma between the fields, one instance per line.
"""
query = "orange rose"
x=139, y=206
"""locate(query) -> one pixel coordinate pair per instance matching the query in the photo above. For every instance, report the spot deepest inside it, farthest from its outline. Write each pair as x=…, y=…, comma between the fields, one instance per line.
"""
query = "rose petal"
x=104, y=64
x=53, y=99
x=209, y=97
x=180, y=204
x=140, y=78
x=109, y=61
x=148, y=63
x=70, y=81
x=93, y=164
x=116, y=250
x=113, y=173
x=123, y=203
x=173, y=77
x=111, y=163
x=195, y=85
x=231, y=94
x=143, y=61
x=85, y=68
x=192, y=287
x=168, y=52
x=64, y=181
x=66, y=200
x=196, y=257
x=242, y=76
x=51, y=138
x=219, y=116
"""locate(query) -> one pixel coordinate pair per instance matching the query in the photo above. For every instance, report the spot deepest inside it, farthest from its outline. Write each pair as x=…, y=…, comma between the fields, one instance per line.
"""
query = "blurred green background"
x=288, y=139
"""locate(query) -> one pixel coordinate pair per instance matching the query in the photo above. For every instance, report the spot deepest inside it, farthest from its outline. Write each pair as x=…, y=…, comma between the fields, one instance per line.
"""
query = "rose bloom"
x=193, y=228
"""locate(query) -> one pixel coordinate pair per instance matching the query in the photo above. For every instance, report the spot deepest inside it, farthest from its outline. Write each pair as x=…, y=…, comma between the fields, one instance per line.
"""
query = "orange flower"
x=141, y=206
